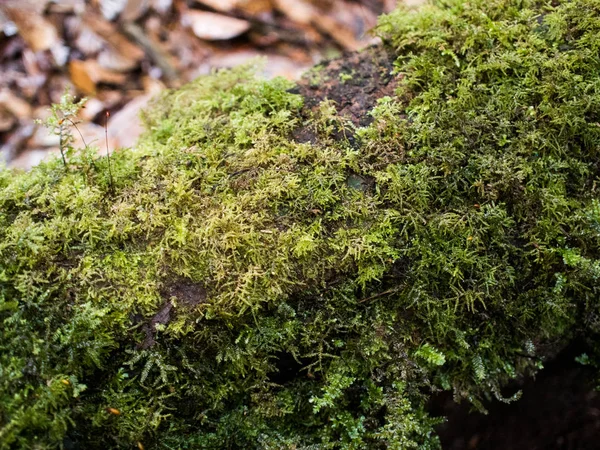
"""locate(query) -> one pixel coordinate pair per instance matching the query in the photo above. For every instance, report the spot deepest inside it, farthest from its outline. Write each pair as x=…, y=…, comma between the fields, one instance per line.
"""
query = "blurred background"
x=119, y=53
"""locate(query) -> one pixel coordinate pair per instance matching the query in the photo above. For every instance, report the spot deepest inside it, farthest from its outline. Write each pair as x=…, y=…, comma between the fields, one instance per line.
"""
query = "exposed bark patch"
x=354, y=83
x=188, y=295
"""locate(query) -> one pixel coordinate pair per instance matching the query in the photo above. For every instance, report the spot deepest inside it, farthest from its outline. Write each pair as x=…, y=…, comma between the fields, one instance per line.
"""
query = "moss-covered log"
x=280, y=266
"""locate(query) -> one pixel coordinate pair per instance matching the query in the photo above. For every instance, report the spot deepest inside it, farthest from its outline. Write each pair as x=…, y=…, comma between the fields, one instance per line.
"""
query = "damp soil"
x=353, y=84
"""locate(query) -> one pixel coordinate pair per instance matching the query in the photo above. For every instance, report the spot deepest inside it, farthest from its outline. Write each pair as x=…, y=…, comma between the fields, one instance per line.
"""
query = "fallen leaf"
x=42, y=138
x=117, y=42
x=7, y=120
x=38, y=33
x=413, y=3
x=162, y=6
x=7, y=27
x=90, y=71
x=298, y=11
x=15, y=105
x=112, y=60
x=92, y=108
x=81, y=78
x=389, y=5
x=125, y=126
x=60, y=54
x=88, y=42
x=17, y=141
x=219, y=5
x=133, y=10
x=275, y=65
x=112, y=8
x=67, y=7
x=255, y=7
x=214, y=27
x=343, y=36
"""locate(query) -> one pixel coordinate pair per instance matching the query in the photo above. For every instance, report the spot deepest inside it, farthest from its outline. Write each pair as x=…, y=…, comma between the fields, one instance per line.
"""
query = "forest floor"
x=120, y=53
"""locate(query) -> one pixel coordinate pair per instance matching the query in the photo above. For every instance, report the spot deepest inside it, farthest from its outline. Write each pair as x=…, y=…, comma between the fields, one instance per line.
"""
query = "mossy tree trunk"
x=302, y=266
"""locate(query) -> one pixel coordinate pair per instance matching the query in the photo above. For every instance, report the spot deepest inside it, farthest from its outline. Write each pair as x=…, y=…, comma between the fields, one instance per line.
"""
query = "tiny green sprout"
x=62, y=118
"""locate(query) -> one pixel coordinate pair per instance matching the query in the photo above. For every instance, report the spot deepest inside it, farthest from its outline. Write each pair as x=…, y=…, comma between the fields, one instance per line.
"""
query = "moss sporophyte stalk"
x=228, y=285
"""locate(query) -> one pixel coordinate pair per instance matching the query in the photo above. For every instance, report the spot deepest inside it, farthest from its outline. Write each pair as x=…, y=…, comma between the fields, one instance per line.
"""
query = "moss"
x=347, y=76
x=238, y=289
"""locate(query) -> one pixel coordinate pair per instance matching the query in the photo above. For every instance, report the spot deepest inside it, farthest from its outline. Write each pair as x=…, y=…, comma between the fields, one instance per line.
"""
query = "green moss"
x=347, y=76
x=238, y=289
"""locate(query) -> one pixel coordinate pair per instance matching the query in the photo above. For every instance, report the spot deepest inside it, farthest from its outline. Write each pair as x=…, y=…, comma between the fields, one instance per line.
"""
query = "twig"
x=134, y=32
x=381, y=294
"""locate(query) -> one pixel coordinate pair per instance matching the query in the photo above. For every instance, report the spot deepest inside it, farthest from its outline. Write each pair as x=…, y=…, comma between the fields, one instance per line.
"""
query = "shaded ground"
x=559, y=409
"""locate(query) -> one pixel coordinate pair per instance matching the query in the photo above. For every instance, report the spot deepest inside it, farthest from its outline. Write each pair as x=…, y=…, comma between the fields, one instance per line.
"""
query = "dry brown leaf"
x=133, y=10
x=42, y=137
x=305, y=13
x=60, y=54
x=89, y=42
x=7, y=120
x=15, y=105
x=112, y=60
x=111, y=8
x=125, y=126
x=114, y=38
x=38, y=33
x=32, y=157
x=274, y=65
x=81, y=78
x=98, y=74
x=342, y=35
x=86, y=75
x=102, y=75
x=214, y=27
x=389, y=5
x=67, y=6
x=251, y=7
x=162, y=6
x=92, y=108
x=297, y=10
x=255, y=7
x=152, y=86
x=17, y=141
x=219, y=5
x=355, y=19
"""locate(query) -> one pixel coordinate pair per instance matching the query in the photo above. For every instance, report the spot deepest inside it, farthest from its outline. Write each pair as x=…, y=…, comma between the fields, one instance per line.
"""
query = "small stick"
x=110, y=178
x=381, y=294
